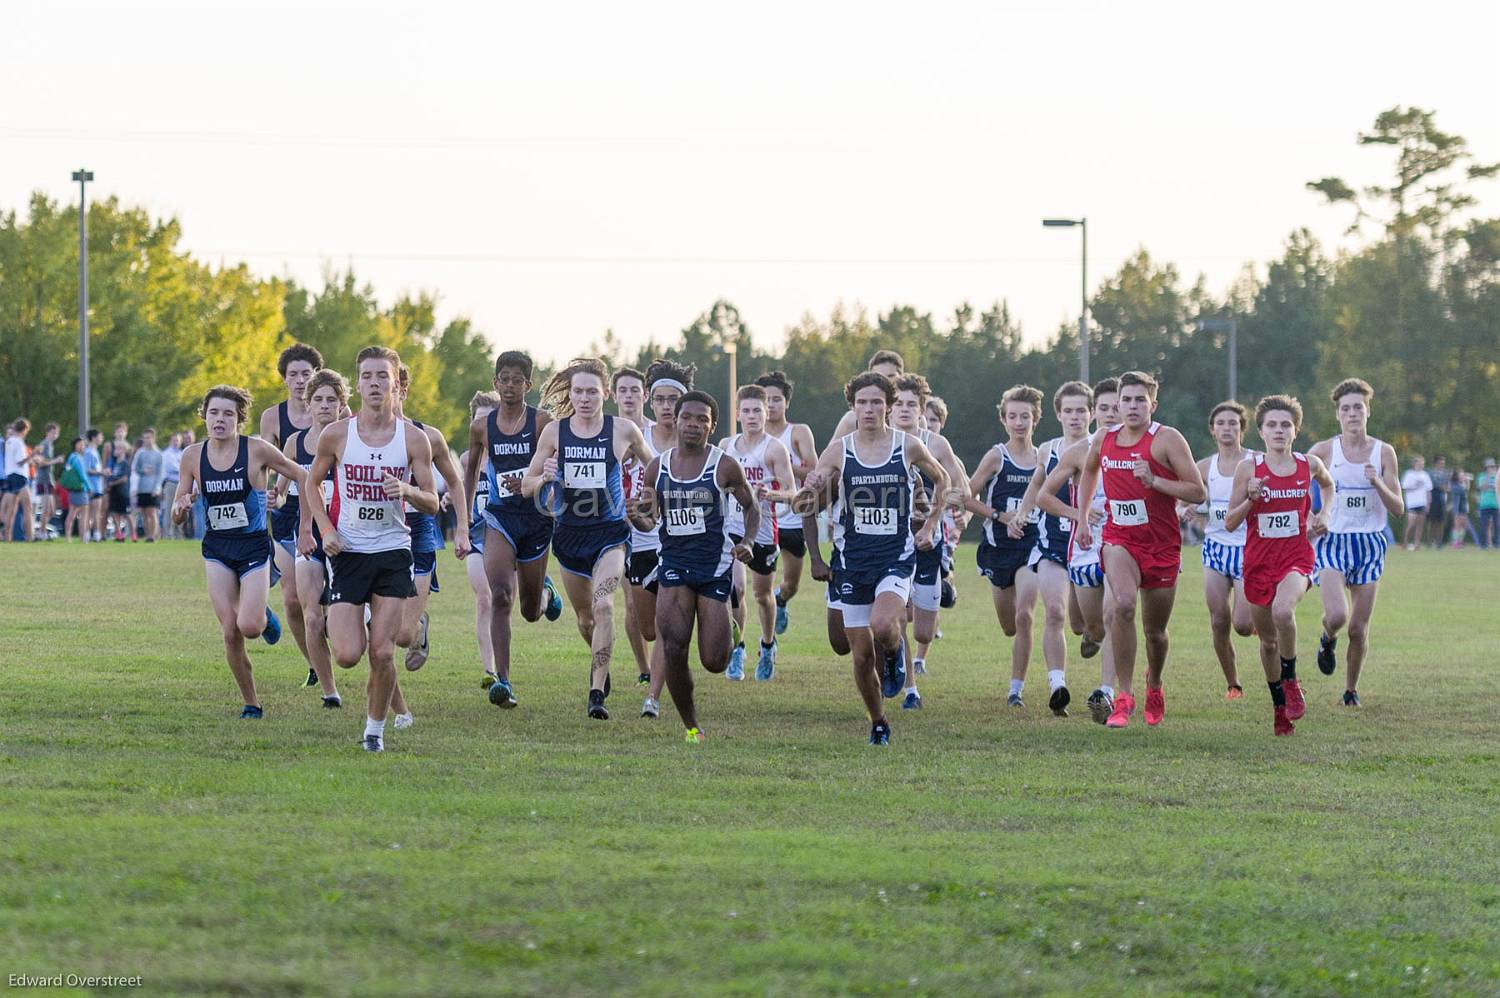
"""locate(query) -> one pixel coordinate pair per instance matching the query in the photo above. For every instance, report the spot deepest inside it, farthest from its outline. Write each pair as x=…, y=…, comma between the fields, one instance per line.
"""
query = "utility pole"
x=83, y=177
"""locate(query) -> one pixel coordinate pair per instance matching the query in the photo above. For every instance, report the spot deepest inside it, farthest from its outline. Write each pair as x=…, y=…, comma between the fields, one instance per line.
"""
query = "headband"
x=669, y=383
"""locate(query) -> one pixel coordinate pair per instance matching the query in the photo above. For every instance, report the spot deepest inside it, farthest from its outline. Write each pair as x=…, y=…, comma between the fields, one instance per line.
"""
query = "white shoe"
x=651, y=708
x=404, y=721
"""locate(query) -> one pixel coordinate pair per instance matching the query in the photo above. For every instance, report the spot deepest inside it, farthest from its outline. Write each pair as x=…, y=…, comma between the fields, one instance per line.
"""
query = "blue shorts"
x=929, y=566
x=240, y=553
x=1086, y=576
x=13, y=484
x=426, y=536
x=1360, y=557
x=1226, y=559
x=529, y=533
x=284, y=523
x=476, y=535
x=1000, y=565
x=1040, y=554
x=856, y=594
x=76, y=499
x=715, y=587
x=579, y=549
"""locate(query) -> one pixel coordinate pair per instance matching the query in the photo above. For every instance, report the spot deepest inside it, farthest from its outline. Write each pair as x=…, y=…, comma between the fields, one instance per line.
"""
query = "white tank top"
x=366, y=520
x=1356, y=507
x=635, y=478
x=757, y=472
x=1219, y=487
x=785, y=518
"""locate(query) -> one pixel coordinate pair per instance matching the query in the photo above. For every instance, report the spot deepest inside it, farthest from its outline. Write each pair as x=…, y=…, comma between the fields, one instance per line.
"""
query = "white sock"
x=1109, y=690
x=373, y=727
x=911, y=689
x=1055, y=678
x=917, y=663
x=1015, y=687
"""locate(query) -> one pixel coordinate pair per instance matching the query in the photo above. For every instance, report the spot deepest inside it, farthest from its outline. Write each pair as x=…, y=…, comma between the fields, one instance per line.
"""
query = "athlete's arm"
x=830, y=463
x=1179, y=458
x=1033, y=490
x=442, y=459
x=989, y=467
x=780, y=463
x=270, y=426
x=846, y=425
x=1240, y=502
x=809, y=503
x=1386, y=484
x=543, y=467
x=919, y=455
x=1088, y=483
x=182, y=502
x=419, y=457
x=330, y=445
x=803, y=443
x=1318, y=525
x=478, y=452
x=634, y=445
x=641, y=506
x=270, y=458
x=731, y=477
x=1069, y=464
x=958, y=479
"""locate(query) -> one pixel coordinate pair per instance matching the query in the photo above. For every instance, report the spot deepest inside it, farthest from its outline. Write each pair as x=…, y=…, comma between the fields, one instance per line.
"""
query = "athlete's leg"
x=838, y=636
x=1005, y=608
x=311, y=579
x=737, y=603
x=674, y=630
x=1412, y=535
x=1268, y=643
x=412, y=610
x=887, y=621
x=580, y=590
x=1054, y=591
x=1335, y=602
x=1124, y=577
x=1090, y=603
x=385, y=621
x=286, y=564
x=923, y=628
x=1219, y=592
x=1363, y=598
x=531, y=581
x=23, y=509
x=1284, y=613
x=254, y=591
x=224, y=594
x=1107, y=675
x=714, y=639
x=603, y=585
x=483, y=609
x=1156, y=611
x=1076, y=622
x=1023, y=605
x=346, y=633
x=500, y=573
x=791, y=575
x=633, y=629
x=763, y=588
x=866, y=671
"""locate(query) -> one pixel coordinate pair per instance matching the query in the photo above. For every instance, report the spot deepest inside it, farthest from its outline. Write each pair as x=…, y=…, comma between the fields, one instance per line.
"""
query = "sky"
x=554, y=170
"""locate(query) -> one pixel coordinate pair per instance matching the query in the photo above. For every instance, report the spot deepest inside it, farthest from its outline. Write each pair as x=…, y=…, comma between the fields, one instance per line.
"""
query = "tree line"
x=1412, y=306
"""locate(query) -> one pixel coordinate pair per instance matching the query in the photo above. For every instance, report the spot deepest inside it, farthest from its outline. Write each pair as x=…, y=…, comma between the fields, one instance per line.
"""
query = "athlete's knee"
x=1219, y=620
x=1334, y=620
x=503, y=594
x=1025, y=616
x=291, y=601
x=382, y=659
x=1359, y=632
x=251, y=627
x=1244, y=628
x=347, y=658
x=1284, y=616
x=1124, y=608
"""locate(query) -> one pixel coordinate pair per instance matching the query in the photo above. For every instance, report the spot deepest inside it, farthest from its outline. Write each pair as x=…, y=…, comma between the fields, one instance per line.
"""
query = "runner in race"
x=802, y=451
x=229, y=470
x=480, y=406
x=1224, y=549
x=1271, y=498
x=1146, y=469
x=628, y=386
x=1351, y=556
x=689, y=485
x=955, y=521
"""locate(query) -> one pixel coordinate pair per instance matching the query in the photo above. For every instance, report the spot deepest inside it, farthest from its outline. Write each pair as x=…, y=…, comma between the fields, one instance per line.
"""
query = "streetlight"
x=1232, y=327
x=731, y=348
x=1083, y=313
x=83, y=177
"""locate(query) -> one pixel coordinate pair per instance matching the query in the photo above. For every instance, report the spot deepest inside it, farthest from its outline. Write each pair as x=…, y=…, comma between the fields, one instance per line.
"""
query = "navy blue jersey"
x=1053, y=532
x=234, y=508
x=304, y=457
x=1006, y=491
x=692, y=523
x=285, y=428
x=592, y=492
x=508, y=456
x=426, y=534
x=873, y=512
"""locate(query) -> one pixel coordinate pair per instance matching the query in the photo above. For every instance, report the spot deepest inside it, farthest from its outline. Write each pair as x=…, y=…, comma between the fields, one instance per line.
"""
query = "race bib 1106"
x=685, y=521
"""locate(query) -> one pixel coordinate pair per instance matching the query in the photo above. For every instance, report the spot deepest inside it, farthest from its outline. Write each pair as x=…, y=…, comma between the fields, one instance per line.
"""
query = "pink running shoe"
x=1120, y=716
x=1156, y=706
x=1295, y=705
x=1283, y=724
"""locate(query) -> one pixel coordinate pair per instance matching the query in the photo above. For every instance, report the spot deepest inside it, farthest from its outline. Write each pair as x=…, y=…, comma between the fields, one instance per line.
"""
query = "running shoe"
x=1296, y=706
x=766, y=667
x=1100, y=705
x=736, y=670
x=1059, y=700
x=251, y=713
x=1351, y=698
x=554, y=601
x=1283, y=723
x=948, y=596
x=311, y=680
x=920, y=666
x=1234, y=693
x=693, y=736
x=416, y=655
x=374, y=743
x=1088, y=647
x=404, y=721
x=272, y=633
x=643, y=679
x=332, y=702
x=501, y=695
x=1327, y=661
x=913, y=701
x=893, y=676
x=651, y=708
x=783, y=619
x=488, y=680
x=1014, y=700
x=597, y=710
x=1120, y=715
x=1156, y=706
x=880, y=733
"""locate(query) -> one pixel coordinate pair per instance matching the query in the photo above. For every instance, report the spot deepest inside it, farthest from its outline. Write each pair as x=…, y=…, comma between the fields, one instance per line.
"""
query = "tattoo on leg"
x=606, y=588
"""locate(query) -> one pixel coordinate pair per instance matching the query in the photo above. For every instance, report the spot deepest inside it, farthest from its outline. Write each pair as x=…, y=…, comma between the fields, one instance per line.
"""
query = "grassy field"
x=144, y=829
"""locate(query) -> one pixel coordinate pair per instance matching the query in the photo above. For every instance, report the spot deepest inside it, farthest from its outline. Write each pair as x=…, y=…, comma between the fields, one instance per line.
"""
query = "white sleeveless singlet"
x=366, y=520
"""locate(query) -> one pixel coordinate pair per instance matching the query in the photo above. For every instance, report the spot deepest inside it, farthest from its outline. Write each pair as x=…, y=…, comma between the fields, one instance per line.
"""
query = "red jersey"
x=1140, y=518
x=1276, y=543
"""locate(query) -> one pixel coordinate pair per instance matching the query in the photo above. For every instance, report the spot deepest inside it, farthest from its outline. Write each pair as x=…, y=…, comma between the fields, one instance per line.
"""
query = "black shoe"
x=373, y=743
x=949, y=596
x=1059, y=701
x=312, y=679
x=644, y=679
x=332, y=702
x=1351, y=698
x=597, y=710
x=1327, y=662
x=251, y=713
x=880, y=733
x=1088, y=647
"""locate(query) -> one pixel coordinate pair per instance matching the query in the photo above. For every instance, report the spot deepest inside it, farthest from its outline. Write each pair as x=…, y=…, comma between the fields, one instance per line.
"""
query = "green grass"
x=145, y=830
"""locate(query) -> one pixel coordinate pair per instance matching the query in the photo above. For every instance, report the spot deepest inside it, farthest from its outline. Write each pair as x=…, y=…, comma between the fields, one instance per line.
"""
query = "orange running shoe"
x=1156, y=706
x=1283, y=725
x=1120, y=716
x=1234, y=693
x=1295, y=705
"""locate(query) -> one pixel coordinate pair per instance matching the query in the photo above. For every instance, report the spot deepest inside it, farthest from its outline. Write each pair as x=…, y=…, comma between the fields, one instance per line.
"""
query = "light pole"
x=1083, y=308
x=1232, y=327
x=83, y=177
x=731, y=348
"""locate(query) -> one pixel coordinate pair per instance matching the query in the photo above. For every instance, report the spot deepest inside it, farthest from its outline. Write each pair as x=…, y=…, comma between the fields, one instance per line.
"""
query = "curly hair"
x=230, y=393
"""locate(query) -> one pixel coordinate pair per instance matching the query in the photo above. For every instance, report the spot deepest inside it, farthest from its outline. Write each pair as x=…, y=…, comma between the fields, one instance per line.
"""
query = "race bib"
x=1013, y=506
x=875, y=520
x=1065, y=525
x=583, y=474
x=369, y=514
x=1287, y=524
x=481, y=493
x=229, y=516
x=685, y=521
x=514, y=477
x=1217, y=515
x=1355, y=502
x=1128, y=512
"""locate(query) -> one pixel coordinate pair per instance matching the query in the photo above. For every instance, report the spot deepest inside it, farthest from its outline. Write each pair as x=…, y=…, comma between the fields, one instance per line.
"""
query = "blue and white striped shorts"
x=1086, y=576
x=1360, y=557
x=1226, y=559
